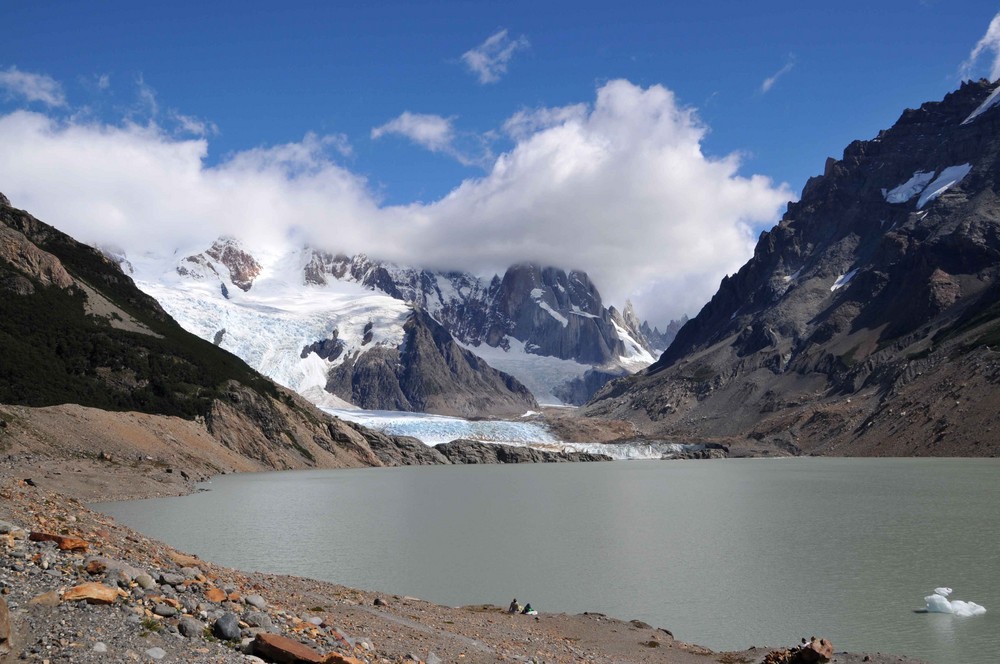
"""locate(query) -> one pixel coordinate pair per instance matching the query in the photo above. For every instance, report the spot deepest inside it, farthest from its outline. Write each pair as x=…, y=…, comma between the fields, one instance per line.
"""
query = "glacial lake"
x=726, y=554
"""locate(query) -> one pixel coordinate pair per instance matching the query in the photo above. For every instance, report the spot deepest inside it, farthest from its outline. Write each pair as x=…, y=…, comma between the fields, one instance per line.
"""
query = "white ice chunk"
x=843, y=279
x=939, y=603
x=910, y=188
x=948, y=178
x=990, y=102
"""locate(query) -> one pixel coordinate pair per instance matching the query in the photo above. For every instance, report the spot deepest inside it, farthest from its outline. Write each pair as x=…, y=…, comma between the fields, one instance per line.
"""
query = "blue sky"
x=379, y=102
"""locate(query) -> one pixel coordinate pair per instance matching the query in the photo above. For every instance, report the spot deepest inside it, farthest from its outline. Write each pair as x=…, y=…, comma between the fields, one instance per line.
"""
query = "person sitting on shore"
x=528, y=611
x=514, y=607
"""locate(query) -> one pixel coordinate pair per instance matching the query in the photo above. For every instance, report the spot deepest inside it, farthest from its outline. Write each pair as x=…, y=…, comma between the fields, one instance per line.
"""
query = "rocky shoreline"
x=80, y=587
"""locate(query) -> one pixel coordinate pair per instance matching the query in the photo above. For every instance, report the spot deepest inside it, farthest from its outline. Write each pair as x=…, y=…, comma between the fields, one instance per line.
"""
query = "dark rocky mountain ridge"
x=866, y=320
x=429, y=372
x=549, y=311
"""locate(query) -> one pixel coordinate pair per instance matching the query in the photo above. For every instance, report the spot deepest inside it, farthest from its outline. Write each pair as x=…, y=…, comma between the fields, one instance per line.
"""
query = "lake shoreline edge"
x=393, y=627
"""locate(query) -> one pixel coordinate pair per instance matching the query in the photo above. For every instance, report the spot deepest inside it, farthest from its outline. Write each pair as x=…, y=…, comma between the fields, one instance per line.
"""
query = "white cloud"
x=619, y=188
x=32, y=87
x=146, y=99
x=430, y=131
x=103, y=82
x=990, y=42
x=769, y=82
x=188, y=124
x=438, y=134
x=489, y=60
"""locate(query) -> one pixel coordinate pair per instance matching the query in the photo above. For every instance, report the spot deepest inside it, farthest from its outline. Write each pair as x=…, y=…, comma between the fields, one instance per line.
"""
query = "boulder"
x=215, y=595
x=283, y=650
x=227, y=627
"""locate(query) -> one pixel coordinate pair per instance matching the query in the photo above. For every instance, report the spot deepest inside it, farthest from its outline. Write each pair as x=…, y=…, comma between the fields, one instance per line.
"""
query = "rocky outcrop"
x=578, y=391
x=885, y=274
x=24, y=256
x=475, y=452
x=241, y=266
x=429, y=372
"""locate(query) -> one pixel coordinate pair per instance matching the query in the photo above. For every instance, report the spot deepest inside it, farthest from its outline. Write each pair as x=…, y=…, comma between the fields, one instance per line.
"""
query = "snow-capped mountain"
x=545, y=326
x=342, y=329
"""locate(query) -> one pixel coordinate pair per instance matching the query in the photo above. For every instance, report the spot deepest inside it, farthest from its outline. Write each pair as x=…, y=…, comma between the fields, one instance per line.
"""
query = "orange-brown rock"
x=184, y=560
x=336, y=658
x=235, y=597
x=215, y=595
x=64, y=543
x=48, y=600
x=92, y=593
x=816, y=651
x=283, y=650
x=96, y=566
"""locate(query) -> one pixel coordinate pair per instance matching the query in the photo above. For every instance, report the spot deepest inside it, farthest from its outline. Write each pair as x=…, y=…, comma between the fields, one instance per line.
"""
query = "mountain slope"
x=75, y=330
x=428, y=372
x=864, y=322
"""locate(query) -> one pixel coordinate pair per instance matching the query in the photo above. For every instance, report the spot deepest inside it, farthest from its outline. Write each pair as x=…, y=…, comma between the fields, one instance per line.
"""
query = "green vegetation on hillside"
x=52, y=352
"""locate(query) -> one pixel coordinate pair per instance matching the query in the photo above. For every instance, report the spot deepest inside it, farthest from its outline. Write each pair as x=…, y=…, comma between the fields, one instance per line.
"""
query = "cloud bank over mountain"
x=619, y=187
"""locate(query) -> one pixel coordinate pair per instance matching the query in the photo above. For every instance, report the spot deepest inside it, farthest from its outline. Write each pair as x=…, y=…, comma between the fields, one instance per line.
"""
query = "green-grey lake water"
x=726, y=554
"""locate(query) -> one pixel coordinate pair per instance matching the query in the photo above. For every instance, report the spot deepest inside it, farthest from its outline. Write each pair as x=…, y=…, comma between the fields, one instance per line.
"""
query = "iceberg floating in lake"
x=939, y=603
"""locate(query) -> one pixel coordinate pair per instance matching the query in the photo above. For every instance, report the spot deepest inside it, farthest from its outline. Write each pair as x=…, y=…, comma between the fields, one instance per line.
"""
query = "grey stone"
x=156, y=653
x=227, y=627
x=259, y=619
x=190, y=627
x=165, y=610
x=7, y=527
x=100, y=646
x=144, y=580
x=171, y=579
x=256, y=601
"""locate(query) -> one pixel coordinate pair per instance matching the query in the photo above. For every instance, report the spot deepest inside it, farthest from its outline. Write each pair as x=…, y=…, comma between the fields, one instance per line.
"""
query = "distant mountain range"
x=868, y=320
x=351, y=329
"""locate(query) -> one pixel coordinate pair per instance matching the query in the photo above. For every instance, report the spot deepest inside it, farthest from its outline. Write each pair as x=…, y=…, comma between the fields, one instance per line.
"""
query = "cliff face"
x=875, y=292
x=428, y=372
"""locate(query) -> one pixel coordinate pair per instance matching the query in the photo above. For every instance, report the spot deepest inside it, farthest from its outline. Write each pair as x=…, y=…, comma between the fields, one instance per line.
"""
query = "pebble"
x=145, y=581
x=100, y=646
x=157, y=653
x=256, y=601
x=165, y=610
